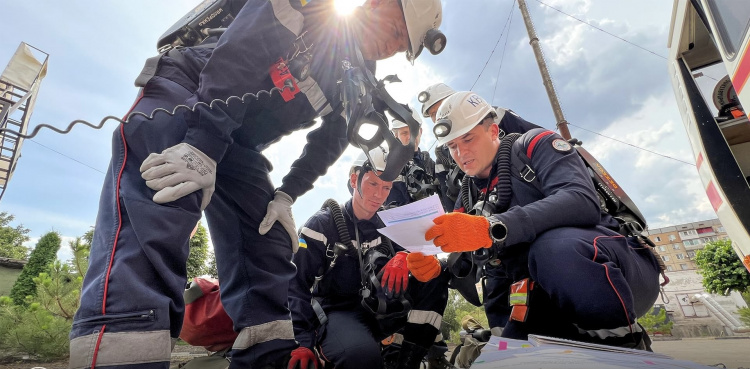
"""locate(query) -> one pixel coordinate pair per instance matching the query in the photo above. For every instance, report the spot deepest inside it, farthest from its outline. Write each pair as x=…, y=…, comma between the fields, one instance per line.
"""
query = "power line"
x=502, y=56
x=75, y=160
x=599, y=29
x=496, y=43
x=629, y=144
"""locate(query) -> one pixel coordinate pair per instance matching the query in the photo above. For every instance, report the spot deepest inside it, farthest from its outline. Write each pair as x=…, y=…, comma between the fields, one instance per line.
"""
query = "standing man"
x=417, y=179
x=573, y=275
x=167, y=167
x=353, y=287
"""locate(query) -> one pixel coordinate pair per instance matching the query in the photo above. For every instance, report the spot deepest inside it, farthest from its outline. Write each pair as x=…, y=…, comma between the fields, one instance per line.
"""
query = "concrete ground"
x=733, y=353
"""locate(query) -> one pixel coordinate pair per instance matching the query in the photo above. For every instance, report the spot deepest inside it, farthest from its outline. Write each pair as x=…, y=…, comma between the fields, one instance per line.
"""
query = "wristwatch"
x=498, y=231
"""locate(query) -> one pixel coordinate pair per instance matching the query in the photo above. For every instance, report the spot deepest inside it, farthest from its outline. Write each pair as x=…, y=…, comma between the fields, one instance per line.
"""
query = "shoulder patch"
x=302, y=243
x=561, y=145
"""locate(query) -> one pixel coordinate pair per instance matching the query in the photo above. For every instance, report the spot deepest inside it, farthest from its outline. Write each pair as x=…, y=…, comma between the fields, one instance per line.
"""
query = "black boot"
x=410, y=356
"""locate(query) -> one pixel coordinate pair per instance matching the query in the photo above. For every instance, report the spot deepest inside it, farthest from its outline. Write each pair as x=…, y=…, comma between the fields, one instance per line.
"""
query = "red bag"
x=206, y=323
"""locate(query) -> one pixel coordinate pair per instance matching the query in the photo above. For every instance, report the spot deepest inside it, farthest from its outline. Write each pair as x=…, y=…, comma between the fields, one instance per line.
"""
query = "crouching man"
x=353, y=287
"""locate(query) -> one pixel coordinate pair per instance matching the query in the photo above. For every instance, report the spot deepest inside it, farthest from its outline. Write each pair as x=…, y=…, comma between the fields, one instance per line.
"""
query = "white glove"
x=280, y=209
x=178, y=171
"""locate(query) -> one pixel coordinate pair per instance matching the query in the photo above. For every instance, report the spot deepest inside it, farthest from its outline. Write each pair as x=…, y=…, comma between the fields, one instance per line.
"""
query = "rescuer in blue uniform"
x=342, y=323
x=417, y=179
x=165, y=169
x=496, y=288
x=570, y=273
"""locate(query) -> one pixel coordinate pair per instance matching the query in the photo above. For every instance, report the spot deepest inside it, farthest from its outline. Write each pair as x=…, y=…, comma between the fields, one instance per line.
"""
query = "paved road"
x=734, y=353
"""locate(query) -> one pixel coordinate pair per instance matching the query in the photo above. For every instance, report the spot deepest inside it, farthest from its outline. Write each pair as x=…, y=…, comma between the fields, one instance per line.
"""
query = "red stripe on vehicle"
x=535, y=140
x=743, y=71
x=713, y=196
x=699, y=161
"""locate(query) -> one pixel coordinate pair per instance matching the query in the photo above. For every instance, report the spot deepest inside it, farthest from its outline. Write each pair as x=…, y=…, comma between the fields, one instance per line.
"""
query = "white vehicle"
x=708, y=61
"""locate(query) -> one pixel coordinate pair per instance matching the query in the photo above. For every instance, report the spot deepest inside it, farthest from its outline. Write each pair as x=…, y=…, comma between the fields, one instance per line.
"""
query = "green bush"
x=32, y=331
x=656, y=322
x=744, y=315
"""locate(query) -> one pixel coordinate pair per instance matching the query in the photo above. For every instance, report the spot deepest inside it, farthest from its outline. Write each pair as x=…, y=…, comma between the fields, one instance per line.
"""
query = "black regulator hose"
x=338, y=219
x=502, y=168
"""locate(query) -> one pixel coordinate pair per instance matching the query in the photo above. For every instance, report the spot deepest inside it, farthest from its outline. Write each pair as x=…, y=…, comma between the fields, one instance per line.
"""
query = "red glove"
x=301, y=358
x=395, y=275
x=459, y=232
x=423, y=267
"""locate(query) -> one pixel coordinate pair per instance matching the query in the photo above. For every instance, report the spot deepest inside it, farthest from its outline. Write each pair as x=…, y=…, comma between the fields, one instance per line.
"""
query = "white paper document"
x=406, y=225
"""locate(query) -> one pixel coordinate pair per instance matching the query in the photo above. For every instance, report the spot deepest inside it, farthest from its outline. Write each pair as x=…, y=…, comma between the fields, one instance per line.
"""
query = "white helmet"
x=397, y=123
x=459, y=113
x=431, y=95
x=423, y=17
x=379, y=157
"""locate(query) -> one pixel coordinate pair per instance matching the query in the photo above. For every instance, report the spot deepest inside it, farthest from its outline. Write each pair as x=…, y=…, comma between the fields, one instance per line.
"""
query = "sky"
x=605, y=85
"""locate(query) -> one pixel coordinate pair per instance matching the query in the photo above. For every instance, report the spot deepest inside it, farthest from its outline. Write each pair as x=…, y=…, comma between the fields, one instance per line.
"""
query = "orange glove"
x=459, y=232
x=395, y=275
x=424, y=268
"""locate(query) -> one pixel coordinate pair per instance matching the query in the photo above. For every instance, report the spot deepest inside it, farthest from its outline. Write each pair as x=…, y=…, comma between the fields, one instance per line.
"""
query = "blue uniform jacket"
x=262, y=33
x=339, y=289
x=568, y=197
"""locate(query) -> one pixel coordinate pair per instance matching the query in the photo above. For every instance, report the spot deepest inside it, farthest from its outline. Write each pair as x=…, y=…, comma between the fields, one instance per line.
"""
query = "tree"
x=196, y=263
x=40, y=260
x=211, y=268
x=721, y=268
x=59, y=289
x=12, y=239
x=40, y=328
x=455, y=311
x=656, y=321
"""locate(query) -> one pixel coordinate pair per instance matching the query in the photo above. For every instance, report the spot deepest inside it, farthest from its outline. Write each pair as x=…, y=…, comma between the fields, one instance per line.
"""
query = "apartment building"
x=677, y=244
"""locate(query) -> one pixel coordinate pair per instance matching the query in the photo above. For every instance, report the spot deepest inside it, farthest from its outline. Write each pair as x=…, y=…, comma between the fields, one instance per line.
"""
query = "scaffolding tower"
x=19, y=86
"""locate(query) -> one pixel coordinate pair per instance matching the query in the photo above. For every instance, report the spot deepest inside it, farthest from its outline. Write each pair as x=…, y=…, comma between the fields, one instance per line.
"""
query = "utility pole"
x=562, y=124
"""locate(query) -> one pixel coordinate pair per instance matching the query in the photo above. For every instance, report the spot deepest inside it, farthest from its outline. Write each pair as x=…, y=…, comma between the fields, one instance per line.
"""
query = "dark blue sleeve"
x=399, y=194
x=569, y=195
x=259, y=35
x=310, y=260
x=513, y=123
x=324, y=146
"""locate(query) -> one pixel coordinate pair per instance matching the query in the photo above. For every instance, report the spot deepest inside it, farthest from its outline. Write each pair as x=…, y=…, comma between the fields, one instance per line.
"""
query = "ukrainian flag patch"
x=303, y=3
x=302, y=243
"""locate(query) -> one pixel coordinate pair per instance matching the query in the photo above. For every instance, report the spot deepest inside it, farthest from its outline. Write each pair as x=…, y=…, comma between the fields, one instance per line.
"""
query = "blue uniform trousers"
x=582, y=276
x=131, y=306
x=351, y=338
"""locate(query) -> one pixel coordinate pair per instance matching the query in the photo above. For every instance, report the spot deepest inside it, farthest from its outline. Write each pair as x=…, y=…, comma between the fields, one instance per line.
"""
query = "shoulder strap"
x=522, y=168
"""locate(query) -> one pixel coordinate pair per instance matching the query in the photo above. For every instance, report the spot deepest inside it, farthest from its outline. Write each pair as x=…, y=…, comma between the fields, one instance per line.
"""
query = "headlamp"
x=442, y=128
x=423, y=97
x=434, y=41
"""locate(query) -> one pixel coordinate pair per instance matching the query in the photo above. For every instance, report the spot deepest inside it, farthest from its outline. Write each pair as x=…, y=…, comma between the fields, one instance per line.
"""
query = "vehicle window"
x=732, y=17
